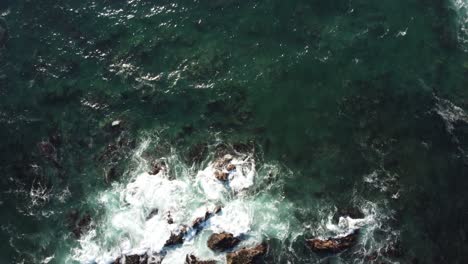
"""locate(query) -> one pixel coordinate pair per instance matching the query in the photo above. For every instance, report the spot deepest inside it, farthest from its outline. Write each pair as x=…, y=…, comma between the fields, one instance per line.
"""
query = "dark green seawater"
x=352, y=104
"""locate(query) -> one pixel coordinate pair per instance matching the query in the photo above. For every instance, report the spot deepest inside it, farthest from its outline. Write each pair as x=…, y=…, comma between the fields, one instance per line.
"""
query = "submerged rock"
x=222, y=241
x=333, y=245
x=247, y=255
x=197, y=153
x=191, y=259
x=3, y=33
x=77, y=224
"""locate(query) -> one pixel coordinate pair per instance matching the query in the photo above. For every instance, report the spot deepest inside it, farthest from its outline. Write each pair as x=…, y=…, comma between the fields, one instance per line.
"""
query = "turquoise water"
x=337, y=103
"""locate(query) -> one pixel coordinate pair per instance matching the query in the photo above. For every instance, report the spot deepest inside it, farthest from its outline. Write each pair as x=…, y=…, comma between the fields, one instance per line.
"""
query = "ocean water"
x=323, y=105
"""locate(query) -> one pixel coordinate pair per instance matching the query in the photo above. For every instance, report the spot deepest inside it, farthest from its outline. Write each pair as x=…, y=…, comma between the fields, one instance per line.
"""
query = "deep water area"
x=118, y=119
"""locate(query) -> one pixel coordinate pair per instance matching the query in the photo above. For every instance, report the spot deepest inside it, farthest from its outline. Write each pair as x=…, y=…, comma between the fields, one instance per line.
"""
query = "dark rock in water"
x=333, y=245
x=231, y=167
x=191, y=259
x=135, y=259
x=223, y=162
x=222, y=241
x=353, y=212
x=3, y=33
x=243, y=147
x=77, y=224
x=49, y=151
x=55, y=138
x=111, y=175
x=157, y=166
x=222, y=176
x=152, y=213
x=176, y=238
x=251, y=255
x=139, y=259
x=169, y=219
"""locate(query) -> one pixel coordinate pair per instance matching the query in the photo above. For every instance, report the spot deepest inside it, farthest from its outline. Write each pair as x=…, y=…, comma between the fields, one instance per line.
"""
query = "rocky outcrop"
x=221, y=175
x=178, y=238
x=333, y=245
x=139, y=259
x=222, y=241
x=224, y=161
x=191, y=259
x=251, y=255
x=78, y=224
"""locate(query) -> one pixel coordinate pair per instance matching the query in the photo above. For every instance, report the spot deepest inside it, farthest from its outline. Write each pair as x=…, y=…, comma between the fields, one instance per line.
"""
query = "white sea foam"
x=126, y=227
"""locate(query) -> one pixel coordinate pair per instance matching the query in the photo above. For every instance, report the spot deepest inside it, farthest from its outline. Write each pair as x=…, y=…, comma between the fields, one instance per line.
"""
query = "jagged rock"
x=222, y=241
x=353, y=212
x=139, y=259
x=191, y=259
x=247, y=255
x=220, y=175
x=135, y=259
x=224, y=161
x=176, y=238
x=333, y=245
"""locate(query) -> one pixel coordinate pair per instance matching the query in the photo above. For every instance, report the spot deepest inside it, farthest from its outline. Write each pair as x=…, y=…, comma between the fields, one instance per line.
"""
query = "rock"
x=77, y=224
x=247, y=255
x=222, y=241
x=222, y=176
x=111, y=175
x=222, y=162
x=135, y=259
x=176, y=238
x=139, y=259
x=191, y=259
x=231, y=167
x=157, y=167
x=152, y=213
x=353, y=212
x=333, y=245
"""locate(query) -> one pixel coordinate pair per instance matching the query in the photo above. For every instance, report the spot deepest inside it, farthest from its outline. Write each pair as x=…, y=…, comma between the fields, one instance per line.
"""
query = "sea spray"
x=130, y=226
